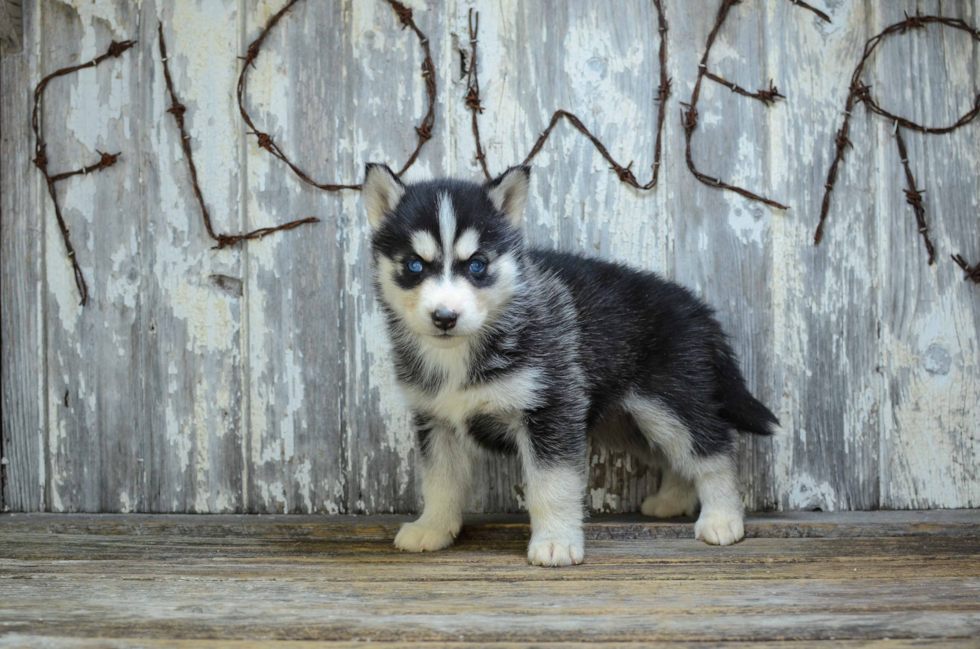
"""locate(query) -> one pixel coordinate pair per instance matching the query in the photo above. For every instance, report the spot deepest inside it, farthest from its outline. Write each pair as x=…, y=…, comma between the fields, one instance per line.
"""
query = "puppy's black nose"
x=444, y=318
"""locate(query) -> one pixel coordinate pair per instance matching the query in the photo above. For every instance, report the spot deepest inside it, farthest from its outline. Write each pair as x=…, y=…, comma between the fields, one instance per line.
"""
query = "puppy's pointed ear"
x=508, y=192
x=382, y=190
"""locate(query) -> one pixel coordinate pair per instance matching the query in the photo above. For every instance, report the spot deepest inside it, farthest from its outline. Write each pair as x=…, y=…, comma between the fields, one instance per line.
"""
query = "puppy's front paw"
x=555, y=552
x=418, y=537
x=719, y=528
x=668, y=503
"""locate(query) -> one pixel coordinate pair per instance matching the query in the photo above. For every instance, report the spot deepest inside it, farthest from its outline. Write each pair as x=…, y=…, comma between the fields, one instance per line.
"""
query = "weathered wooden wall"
x=256, y=379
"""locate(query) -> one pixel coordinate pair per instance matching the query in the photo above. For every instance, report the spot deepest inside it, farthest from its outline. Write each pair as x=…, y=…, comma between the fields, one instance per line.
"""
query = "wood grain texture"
x=811, y=525
x=722, y=244
x=192, y=361
x=193, y=586
x=21, y=423
x=49, y=642
x=21, y=361
x=93, y=392
x=257, y=378
x=930, y=318
x=387, y=100
x=828, y=375
x=11, y=26
x=295, y=281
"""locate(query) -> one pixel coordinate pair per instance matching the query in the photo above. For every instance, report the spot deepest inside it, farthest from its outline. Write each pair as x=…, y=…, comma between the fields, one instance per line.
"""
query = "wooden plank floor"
x=880, y=579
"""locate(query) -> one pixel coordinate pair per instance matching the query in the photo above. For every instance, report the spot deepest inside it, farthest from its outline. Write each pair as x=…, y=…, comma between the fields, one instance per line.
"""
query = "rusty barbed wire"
x=859, y=92
x=423, y=130
x=913, y=196
x=473, y=91
x=177, y=109
x=766, y=96
x=689, y=117
x=625, y=174
x=106, y=160
x=972, y=272
x=822, y=15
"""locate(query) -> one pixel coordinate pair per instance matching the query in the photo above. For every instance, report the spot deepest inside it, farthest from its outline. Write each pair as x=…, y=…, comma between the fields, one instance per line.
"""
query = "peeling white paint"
x=806, y=493
x=61, y=279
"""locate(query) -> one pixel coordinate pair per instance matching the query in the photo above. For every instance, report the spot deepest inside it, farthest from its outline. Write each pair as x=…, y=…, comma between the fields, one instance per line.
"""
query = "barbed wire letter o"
x=423, y=130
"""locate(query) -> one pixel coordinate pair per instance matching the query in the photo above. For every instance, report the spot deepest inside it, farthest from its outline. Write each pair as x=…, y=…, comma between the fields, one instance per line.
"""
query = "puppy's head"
x=446, y=253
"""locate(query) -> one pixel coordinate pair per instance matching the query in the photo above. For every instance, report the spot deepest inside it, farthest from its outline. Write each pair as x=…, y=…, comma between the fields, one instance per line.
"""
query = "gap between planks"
x=19, y=640
x=957, y=522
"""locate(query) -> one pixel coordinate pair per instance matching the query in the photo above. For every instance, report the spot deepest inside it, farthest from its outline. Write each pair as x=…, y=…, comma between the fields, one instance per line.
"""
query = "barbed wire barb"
x=972, y=272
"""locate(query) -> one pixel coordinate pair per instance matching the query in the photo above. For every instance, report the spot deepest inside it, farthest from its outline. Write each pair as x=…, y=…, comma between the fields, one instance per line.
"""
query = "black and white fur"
x=500, y=347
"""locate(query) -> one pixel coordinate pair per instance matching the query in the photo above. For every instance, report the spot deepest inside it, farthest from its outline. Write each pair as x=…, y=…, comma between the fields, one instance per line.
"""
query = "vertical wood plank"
x=22, y=355
x=294, y=289
x=192, y=293
x=930, y=317
x=387, y=101
x=722, y=241
x=827, y=378
x=598, y=60
x=94, y=397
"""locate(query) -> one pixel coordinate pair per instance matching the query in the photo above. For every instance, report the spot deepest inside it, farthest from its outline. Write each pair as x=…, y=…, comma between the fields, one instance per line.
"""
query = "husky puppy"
x=500, y=347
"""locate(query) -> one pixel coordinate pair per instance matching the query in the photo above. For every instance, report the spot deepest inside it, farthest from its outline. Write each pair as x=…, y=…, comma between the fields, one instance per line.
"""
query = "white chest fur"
x=455, y=403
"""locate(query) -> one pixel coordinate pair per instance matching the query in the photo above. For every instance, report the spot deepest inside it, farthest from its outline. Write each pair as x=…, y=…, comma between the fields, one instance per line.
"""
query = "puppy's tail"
x=739, y=408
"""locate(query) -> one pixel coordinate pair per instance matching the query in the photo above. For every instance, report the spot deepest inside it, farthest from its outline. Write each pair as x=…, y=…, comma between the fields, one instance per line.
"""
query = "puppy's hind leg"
x=676, y=497
x=722, y=512
x=711, y=469
x=447, y=467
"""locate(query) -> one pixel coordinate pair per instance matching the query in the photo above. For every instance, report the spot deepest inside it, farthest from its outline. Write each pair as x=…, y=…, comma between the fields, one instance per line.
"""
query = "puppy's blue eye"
x=415, y=266
x=477, y=266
